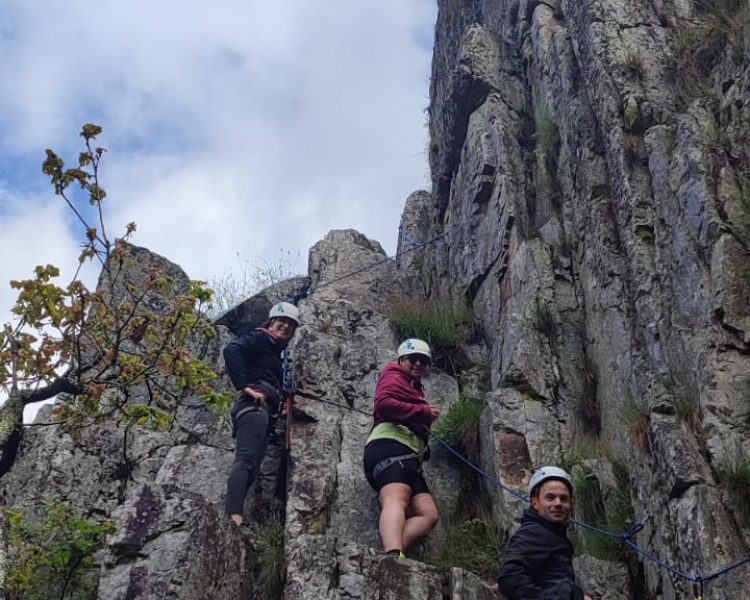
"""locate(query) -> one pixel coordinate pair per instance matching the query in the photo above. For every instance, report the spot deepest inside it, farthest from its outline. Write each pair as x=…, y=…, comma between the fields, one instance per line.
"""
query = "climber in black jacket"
x=254, y=365
x=538, y=560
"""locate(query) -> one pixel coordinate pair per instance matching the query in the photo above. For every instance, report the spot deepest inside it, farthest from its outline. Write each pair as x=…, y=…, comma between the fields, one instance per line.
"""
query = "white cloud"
x=248, y=110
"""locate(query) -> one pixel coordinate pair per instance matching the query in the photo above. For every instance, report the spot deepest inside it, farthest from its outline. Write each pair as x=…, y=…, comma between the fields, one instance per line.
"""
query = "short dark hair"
x=538, y=486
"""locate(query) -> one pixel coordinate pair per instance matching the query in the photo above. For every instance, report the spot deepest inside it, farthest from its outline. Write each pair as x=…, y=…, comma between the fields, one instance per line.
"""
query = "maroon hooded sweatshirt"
x=400, y=400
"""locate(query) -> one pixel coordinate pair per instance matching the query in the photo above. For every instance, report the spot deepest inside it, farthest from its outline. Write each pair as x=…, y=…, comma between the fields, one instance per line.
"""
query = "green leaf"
x=90, y=131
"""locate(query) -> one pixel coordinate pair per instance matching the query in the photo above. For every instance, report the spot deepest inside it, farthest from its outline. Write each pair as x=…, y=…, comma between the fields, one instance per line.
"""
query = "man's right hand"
x=586, y=597
x=435, y=413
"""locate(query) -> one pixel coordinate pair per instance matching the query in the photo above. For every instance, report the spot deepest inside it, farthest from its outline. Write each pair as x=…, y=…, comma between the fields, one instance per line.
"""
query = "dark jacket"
x=537, y=562
x=400, y=400
x=253, y=360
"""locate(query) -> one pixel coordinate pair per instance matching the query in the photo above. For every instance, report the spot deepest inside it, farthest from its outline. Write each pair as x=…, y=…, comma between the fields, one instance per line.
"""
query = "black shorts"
x=407, y=471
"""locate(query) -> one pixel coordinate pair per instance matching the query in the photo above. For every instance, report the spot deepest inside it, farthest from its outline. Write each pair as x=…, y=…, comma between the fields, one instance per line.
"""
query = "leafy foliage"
x=442, y=326
x=99, y=346
x=53, y=558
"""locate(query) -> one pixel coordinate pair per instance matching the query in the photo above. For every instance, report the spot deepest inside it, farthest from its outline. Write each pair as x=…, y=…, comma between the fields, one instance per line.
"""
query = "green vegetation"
x=733, y=474
x=645, y=233
x=96, y=346
x=585, y=447
x=636, y=416
x=633, y=62
x=543, y=318
x=547, y=131
x=459, y=427
x=443, y=327
x=271, y=561
x=473, y=545
x=590, y=508
x=53, y=558
x=698, y=48
x=687, y=410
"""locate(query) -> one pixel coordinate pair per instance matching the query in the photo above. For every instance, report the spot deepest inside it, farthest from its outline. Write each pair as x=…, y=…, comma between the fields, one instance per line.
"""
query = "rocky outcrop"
x=592, y=208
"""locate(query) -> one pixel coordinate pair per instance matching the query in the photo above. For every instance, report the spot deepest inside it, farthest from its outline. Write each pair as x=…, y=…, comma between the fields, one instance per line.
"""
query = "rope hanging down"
x=626, y=537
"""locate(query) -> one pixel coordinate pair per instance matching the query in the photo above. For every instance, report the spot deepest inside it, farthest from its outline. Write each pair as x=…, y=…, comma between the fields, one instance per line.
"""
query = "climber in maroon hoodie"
x=396, y=446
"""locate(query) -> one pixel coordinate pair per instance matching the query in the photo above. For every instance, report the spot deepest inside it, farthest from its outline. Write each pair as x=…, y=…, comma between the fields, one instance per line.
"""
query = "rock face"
x=596, y=214
x=594, y=211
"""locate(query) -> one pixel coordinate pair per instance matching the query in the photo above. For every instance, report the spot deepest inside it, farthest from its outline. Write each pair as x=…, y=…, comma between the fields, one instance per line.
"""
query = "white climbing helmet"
x=284, y=309
x=414, y=346
x=546, y=473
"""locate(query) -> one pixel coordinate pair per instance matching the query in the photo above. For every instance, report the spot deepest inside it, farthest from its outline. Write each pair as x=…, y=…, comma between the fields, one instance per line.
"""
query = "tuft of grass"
x=459, y=427
x=633, y=62
x=698, y=48
x=733, y=474
x=443, y=327
x=590, y=509
x=543, y=318
x=687, y=410
x=584, y=447
x=635, y=415
x=271, y=562
x=473, y=545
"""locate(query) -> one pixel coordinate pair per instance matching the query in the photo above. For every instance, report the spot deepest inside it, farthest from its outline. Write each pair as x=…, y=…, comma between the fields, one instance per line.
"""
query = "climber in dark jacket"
x=254, y=365
x=538, y=560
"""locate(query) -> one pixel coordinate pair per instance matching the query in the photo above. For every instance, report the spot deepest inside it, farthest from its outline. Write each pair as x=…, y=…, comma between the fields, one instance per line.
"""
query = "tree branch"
x=59, y=386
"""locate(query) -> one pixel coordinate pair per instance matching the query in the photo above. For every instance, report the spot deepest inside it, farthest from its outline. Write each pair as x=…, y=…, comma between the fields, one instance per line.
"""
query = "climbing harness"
x=378, y=469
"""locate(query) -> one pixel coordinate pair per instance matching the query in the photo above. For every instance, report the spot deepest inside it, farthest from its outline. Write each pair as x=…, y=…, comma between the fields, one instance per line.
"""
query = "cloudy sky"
x=232, y=126
x=238, y=131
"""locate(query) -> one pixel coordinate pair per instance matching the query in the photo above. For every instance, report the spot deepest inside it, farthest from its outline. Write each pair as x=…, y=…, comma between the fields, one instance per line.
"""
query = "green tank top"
x=399, y=433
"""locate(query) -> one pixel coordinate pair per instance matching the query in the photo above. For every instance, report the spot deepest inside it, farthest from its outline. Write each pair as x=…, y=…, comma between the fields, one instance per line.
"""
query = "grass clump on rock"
x=473, y=545
x=442, y=326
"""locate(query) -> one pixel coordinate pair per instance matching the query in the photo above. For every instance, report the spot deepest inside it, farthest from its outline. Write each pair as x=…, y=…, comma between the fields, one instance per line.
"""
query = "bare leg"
x=421, y=518
x=394, y=498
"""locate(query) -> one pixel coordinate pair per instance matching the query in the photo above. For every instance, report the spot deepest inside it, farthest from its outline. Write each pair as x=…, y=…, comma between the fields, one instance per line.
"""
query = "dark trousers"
x=251, y=429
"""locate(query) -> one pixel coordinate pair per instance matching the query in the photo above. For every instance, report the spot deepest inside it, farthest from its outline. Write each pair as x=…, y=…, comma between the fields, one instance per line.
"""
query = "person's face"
x=415, y=366
x=283, y=328
x=553, y=503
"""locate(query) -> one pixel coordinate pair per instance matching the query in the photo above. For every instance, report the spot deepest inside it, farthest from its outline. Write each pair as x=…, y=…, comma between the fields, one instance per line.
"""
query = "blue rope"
x=482, y=472
x=625, y=536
